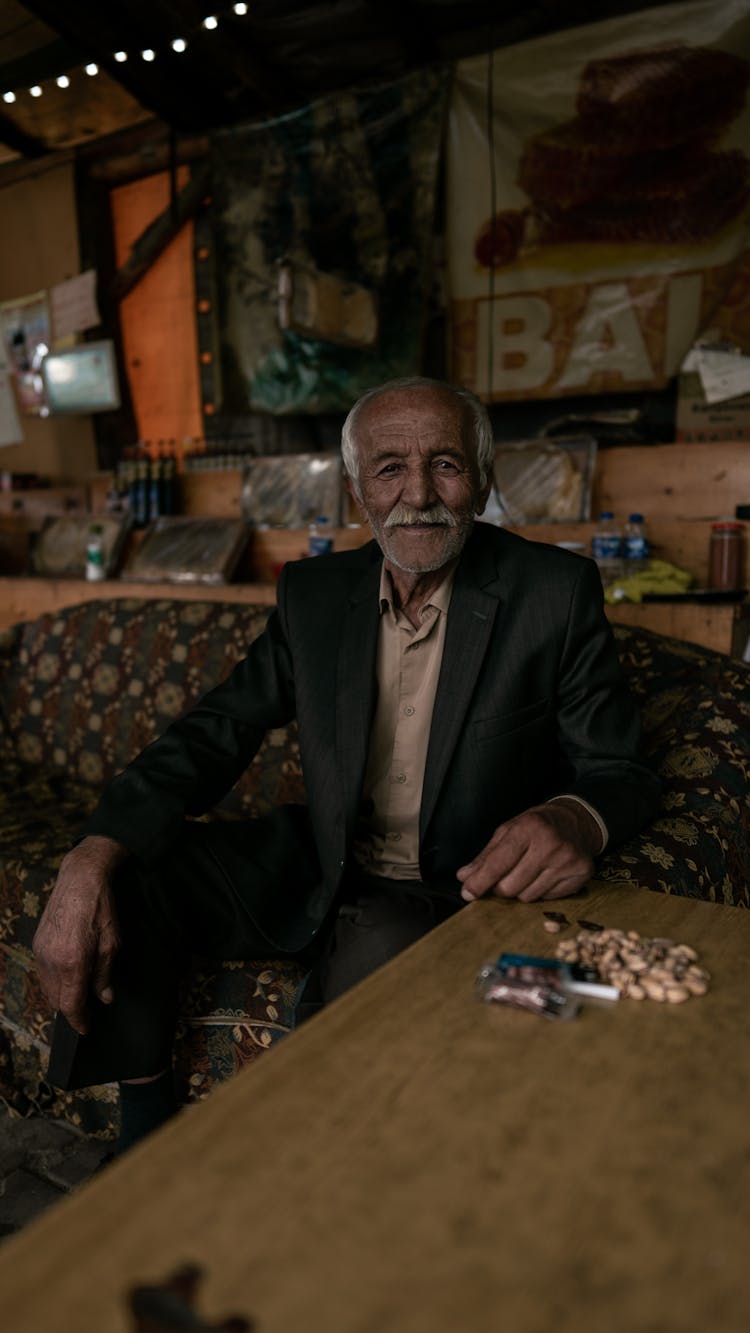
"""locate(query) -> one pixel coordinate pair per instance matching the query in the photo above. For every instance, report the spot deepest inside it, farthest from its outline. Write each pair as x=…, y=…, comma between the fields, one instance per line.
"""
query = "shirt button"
x=400, y=777
x=409, y=710
x=394, y=837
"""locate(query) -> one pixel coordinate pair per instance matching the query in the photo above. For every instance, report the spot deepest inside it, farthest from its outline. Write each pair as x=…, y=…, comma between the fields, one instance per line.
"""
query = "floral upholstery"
x=81, y=692
x=696, y=722
x=84, y=689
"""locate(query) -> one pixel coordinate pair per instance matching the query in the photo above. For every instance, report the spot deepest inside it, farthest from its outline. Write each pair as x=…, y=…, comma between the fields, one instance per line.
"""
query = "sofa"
x=83, y=689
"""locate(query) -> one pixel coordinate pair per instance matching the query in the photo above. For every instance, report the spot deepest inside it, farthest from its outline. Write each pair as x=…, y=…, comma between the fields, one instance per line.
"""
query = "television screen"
x=82, y=379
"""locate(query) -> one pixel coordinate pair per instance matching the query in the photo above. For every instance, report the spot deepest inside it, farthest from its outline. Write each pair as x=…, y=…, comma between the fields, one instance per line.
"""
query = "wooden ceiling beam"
x=149, y=158
x=45, y=62
x=17, y=139
x=191, y=91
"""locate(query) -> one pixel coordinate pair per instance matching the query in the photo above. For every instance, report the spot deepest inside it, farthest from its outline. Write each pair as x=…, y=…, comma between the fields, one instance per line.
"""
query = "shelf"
x=681, y=489
x=25, y=598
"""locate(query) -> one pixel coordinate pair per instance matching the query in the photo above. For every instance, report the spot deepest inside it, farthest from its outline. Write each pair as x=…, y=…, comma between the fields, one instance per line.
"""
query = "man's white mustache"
x=403, y=514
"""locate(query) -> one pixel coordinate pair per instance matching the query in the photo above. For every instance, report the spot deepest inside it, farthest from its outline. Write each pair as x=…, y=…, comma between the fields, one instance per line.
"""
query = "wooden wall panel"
x=673, y=480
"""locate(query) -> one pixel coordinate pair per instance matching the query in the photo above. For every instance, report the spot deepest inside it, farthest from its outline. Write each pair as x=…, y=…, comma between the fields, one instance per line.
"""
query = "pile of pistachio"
x=639, y=967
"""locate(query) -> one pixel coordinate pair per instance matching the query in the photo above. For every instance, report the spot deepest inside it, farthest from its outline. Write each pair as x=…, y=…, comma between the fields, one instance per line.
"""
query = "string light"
x=178, y=44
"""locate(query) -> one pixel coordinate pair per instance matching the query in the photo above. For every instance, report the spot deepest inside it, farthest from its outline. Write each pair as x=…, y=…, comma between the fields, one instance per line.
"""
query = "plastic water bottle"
x=635, y=545
x=320, y=540
x=606, y=547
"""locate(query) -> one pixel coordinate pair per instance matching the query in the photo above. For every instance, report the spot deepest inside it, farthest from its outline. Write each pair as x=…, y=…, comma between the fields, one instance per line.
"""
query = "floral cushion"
x=89, y=686
x=81, y=692
x=230, y=1012
x=696, y=722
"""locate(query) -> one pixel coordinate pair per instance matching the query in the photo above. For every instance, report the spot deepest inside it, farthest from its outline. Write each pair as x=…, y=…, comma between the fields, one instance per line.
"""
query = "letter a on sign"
x=608, y=338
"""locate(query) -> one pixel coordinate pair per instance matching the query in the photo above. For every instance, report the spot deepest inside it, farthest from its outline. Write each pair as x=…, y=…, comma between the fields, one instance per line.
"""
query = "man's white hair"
x=484, y=441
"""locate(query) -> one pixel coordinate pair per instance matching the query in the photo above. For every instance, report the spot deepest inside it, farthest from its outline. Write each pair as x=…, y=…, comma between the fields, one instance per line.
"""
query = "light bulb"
x=91, y=69
x=63, y=81
x=211, y=22
x=179, y=45
x=35, y=91
x=148, y=55
x=9, y=97
x=121, y=57
x=240, y=8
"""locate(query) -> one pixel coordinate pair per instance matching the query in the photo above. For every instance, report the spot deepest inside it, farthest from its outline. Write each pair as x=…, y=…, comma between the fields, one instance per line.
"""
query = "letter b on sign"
x=522, y=356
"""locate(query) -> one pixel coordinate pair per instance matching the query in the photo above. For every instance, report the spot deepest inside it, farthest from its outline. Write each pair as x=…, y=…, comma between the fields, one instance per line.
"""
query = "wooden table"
x=414, y=1161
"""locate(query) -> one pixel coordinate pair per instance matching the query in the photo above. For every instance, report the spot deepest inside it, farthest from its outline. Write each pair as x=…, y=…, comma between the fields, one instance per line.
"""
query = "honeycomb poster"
x=617, y=157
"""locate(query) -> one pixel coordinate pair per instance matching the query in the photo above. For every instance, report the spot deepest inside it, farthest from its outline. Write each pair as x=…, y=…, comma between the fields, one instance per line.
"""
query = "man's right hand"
x=76, y=940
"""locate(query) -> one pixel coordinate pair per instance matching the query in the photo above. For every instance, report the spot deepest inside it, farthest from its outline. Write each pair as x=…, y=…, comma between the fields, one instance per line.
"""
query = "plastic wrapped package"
x=292, y=490
x=541, y=481
x=60, y=549
x=189, y=550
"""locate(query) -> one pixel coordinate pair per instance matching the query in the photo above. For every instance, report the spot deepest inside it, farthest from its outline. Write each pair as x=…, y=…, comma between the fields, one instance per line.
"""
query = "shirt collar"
x=440, y=598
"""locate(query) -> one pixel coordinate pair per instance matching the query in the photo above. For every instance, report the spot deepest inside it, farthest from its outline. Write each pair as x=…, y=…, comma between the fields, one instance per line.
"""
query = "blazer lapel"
x=356, y=687
x=471, y=618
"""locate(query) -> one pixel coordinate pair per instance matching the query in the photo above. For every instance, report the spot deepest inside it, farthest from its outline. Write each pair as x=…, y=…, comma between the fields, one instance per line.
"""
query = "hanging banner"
x=619, y=157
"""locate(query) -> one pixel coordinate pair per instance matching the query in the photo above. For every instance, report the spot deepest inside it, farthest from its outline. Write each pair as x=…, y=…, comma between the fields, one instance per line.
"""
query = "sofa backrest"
x=84, y=689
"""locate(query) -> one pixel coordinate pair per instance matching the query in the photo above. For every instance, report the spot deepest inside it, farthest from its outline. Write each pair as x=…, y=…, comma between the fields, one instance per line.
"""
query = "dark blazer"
x=531, y=702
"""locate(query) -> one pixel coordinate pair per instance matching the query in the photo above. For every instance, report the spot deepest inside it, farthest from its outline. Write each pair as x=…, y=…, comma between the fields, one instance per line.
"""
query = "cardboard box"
x=697, y=421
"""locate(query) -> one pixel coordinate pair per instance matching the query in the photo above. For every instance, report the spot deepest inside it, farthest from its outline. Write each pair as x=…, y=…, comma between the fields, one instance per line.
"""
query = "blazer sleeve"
x=201, y=755
x=598, y=721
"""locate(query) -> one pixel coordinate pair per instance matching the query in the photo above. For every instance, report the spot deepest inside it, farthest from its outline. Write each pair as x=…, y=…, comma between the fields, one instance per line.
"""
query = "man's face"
x=418, y=476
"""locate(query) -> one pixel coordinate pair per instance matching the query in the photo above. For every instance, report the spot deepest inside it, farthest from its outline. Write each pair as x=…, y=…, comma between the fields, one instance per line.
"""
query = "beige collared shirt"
x=408, y=666
x=407, y=669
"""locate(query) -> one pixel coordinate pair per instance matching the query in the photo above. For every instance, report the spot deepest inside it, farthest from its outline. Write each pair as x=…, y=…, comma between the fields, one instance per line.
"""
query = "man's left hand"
x=546, y=852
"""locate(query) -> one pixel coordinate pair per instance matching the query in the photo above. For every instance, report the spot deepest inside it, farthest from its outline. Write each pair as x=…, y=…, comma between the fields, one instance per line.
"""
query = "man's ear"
x=483, y=496
x=349, y=484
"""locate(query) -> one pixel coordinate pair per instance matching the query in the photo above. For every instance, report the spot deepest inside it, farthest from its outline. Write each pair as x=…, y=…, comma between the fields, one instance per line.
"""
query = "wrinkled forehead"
x=424, y=415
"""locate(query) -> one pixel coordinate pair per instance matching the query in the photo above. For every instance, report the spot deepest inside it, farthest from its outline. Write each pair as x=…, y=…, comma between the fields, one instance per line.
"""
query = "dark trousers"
x=194, y=904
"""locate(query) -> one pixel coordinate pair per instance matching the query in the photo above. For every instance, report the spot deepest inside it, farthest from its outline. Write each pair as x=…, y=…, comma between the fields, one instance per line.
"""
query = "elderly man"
x=464, y=730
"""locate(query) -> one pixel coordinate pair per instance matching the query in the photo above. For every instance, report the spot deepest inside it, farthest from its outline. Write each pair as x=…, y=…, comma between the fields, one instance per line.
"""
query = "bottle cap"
x=742, y=511
x=635, y=518
x=606, y=513
x=727, y=525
